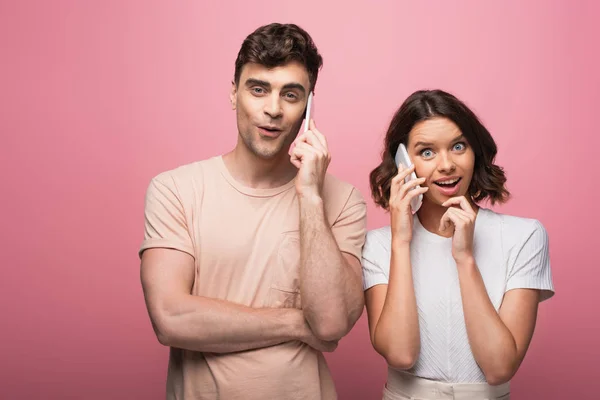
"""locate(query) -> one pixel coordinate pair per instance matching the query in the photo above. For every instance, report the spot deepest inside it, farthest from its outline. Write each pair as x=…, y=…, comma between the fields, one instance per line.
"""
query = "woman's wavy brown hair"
x=488, y=178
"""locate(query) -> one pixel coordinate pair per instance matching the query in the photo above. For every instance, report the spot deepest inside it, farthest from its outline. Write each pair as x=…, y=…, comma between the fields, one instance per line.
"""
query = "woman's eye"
x=426, y=153
x=460, y=146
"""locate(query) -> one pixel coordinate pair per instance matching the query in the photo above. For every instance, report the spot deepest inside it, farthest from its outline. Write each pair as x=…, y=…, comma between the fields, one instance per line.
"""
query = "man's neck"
x=257, y=173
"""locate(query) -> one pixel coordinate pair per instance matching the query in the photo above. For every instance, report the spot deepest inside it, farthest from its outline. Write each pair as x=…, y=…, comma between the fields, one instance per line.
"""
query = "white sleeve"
x=530, y=267
x=375, y=260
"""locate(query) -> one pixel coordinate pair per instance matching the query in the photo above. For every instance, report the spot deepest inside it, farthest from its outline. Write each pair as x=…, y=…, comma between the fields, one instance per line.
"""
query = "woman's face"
x=442, y=155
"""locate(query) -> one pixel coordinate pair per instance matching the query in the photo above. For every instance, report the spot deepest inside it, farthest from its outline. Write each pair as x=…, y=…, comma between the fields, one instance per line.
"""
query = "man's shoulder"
x=336, y=188
x=187, y=173
x=186, y=182
x=341, y=198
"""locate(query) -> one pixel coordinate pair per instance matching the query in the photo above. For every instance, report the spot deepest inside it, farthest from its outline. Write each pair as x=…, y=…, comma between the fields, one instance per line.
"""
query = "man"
x=250, y=263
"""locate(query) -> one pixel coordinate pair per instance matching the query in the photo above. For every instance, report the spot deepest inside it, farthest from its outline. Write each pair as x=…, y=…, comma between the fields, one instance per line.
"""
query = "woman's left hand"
x=463, y=219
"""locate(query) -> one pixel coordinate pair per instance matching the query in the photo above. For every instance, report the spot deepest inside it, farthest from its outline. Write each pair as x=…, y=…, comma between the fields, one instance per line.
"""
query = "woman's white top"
x=510, y=252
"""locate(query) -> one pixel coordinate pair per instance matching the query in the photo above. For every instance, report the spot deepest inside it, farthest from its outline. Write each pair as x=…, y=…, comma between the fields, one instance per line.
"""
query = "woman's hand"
x=463, y=220
x=401, y=194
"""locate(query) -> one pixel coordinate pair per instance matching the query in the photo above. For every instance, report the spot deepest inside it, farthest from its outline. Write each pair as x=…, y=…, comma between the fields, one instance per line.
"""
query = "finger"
x=460, y=201
x=414, y=193
x=462, y=213
x=295, y=158
x=303, y=149
x=319, y=135
x=303, y=152
x=313, y=140
x=296, y=153
x=295, y=162
x=398, y=181
x=444, y=221
x=402, y=174
x=447, y=219
x=411, y=195
x=458, y=218
x=308, y=148
x=308, y=138
x=301, y=138
x=410, y=185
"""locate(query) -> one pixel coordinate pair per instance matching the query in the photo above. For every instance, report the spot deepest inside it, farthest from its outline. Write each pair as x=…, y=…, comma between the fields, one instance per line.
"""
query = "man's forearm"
x=332, y=298
x=210, y=325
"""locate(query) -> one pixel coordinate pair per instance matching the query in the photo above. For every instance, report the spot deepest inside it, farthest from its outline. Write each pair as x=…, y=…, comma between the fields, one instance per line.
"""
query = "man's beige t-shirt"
x=246, y=247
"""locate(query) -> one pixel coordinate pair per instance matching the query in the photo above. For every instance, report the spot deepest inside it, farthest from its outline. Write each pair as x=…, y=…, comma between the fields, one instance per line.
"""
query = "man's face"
x=270, y=106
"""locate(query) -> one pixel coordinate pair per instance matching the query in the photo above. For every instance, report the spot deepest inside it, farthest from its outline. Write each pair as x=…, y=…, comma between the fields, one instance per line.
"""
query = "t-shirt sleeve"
x=530, y=267
x=164, y=217
x=351, y=226
x=375, y=261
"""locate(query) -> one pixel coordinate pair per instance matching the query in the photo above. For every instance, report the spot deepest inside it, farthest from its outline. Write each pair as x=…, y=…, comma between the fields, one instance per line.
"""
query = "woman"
x=452, y=292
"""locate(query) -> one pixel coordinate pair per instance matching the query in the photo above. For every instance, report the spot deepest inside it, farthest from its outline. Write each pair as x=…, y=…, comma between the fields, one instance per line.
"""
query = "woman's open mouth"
x=448, y=186
x=447, y=183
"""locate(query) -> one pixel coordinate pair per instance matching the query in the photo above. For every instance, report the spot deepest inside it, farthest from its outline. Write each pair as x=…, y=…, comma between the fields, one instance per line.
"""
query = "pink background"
x=98, y=97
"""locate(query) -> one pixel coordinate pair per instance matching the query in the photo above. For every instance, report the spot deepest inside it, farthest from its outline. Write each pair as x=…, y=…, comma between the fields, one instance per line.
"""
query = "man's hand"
x=311, y=156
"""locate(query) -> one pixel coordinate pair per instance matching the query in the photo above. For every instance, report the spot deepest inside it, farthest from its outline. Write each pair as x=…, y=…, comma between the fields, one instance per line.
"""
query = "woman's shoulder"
x=378, y=242
x=384, y=233
x=512, y=226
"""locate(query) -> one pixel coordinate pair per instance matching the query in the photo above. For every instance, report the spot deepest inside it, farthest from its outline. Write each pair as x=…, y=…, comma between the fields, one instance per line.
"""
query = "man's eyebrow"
x=253, y=82
x=295, y=86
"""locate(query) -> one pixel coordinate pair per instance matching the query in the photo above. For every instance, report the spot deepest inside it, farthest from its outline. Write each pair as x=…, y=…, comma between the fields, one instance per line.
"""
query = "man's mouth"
x=269, y=130
x=448, y=182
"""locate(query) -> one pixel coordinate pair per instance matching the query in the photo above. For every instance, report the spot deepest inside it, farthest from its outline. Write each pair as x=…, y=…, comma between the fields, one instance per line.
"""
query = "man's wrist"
x=295, y=324
x=310, y=198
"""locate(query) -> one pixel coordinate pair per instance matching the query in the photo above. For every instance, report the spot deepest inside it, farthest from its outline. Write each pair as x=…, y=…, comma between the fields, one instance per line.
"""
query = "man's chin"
x=268, y=154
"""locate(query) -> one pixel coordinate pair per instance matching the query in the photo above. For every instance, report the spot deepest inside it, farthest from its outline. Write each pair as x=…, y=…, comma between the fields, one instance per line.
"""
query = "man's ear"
x=233, y=95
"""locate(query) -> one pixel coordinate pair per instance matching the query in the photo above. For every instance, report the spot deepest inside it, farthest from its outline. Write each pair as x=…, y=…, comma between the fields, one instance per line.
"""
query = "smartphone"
x=308, y=111
x=403, y=158
x=307, y=117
